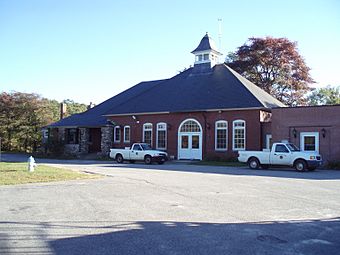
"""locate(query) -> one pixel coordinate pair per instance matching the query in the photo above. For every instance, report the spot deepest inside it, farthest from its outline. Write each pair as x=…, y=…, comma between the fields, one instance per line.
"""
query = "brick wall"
x=309, y=119
x=207, y=121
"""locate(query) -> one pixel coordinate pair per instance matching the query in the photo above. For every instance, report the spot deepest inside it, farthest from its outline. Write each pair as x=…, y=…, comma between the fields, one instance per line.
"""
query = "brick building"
x=312, y=128
x=206, y=111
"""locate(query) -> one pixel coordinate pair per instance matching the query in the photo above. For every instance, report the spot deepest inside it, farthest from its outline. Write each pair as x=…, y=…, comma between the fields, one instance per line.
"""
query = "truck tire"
x=253, y=163
x=300, y=165
x=147, y=160
x=119, y=158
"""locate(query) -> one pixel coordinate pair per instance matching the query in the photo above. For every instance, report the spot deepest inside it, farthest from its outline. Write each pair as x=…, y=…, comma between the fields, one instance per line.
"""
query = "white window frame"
x=317, y=141
x=45, y=133
x=166, y=134
x=221, y=128
x=115, y=132
x=127, y=127
x=145, y=125
x=234, y=128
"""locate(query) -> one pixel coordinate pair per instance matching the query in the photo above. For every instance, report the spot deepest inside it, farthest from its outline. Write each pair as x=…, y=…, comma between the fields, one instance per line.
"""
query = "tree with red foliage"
x=275, y=65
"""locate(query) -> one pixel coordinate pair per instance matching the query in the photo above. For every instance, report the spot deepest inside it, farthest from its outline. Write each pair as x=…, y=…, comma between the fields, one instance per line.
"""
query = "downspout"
x=204, y=135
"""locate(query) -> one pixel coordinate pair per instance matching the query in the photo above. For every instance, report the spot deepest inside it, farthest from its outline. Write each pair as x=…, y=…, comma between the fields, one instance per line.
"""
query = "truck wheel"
x=253, y=163
x=300, y=165
x=119, y=158
x=147, y=160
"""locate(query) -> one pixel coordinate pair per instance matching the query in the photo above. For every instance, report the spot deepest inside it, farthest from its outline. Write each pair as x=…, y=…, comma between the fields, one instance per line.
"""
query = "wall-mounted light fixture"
x=294, y=133
x=134, y=117
x=208, y=126
x=323, y=132
x=169, y=126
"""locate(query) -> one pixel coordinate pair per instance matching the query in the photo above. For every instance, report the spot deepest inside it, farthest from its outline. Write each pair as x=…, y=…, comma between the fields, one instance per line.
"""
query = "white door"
x=136, y=152
x=190, y=146
x=281, y=155
x=309, y=141
x=190, y=140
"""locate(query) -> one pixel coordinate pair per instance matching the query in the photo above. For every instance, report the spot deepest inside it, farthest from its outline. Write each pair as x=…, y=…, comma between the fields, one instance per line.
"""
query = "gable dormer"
x=206, y=53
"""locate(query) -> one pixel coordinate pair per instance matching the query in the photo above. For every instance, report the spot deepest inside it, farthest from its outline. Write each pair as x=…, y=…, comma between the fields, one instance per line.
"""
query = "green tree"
x=325, y=96
x=73, y=107
x=23, y=115
x=275, y=65
x=20, y=117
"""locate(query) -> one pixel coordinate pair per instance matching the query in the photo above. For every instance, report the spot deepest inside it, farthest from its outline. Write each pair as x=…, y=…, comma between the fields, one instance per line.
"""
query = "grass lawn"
x=219, y=163
x=17, y=173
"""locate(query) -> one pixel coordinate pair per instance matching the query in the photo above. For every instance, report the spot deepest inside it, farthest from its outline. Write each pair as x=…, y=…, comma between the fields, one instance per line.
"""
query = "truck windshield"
x=292, y=147
x=146, y=147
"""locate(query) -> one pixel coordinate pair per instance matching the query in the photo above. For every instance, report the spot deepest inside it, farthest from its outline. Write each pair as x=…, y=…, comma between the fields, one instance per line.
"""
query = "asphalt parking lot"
x=173, y=209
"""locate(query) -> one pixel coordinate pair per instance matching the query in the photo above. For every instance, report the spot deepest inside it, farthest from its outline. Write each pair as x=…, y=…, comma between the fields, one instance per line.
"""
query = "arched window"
x=116, y=134
x=147, y=133
x=161, y=136
x=190, y=126
x=126, y=134
x=221, y=135
x=239, y=135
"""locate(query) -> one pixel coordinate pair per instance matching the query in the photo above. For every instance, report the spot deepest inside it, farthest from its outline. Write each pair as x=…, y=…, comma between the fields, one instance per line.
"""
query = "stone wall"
x=84, y=140
x=106, y=141
x=71, y=149
x=61, y=135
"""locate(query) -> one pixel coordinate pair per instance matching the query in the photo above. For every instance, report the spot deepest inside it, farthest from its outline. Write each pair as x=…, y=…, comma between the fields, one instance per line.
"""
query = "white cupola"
x=206, y=52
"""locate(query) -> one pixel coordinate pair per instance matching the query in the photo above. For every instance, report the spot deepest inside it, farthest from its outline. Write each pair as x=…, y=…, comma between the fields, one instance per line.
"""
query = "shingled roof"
x=222, y=88
x=206, y=44
x=94, y=117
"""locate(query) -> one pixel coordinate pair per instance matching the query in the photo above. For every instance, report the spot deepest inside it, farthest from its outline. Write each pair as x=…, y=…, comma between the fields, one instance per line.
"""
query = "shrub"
x=220, y=158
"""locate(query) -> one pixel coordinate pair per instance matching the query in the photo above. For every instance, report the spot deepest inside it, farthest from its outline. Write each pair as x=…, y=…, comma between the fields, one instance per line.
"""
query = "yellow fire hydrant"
x=31, y=164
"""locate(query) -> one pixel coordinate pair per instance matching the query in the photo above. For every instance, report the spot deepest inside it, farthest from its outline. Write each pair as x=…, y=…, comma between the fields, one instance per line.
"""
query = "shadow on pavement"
x=145, y=237
x=239, y=171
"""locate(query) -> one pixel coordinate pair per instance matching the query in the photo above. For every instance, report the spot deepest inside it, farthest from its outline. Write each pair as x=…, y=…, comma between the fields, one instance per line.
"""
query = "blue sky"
x=89, y=51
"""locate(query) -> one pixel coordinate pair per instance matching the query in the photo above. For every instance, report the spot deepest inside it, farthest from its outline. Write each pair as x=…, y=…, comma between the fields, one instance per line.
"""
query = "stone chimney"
x=63, y=110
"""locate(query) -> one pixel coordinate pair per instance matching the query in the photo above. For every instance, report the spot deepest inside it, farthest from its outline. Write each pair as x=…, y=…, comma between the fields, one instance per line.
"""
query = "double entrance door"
x=190, y=146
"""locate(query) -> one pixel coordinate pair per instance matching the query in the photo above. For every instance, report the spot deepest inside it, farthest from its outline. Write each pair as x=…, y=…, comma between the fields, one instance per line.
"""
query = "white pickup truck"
x=139, y=152
x=281, y=154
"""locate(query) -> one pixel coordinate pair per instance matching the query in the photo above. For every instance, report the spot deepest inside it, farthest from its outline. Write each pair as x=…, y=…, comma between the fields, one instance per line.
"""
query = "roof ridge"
x=253, y=88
